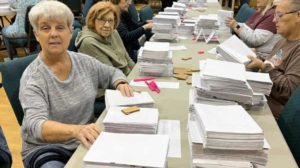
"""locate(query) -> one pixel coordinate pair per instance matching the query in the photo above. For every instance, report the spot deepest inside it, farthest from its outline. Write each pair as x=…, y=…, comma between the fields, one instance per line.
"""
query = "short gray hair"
x=50, y=10
x=294, y=5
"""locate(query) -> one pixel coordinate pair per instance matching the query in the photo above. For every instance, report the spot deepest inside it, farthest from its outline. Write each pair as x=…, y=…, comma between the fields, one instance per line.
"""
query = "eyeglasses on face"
x=278, y=15
x=102, y=21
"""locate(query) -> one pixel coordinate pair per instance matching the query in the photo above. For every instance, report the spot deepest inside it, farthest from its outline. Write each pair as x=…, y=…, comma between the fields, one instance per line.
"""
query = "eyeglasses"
x=103, y=21
x=278, y=15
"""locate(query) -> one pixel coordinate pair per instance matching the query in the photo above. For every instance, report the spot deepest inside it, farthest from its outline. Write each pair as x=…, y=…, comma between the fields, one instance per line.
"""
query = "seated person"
x=129, y=30
x=17, y=29
x=101, y=40
x=283, y=64
x=58, y=90
x=259, y=31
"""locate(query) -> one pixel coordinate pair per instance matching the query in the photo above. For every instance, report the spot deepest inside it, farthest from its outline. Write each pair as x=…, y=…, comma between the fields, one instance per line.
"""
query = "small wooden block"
x=177, y=70
x=130, y=110
x=186, y=58
x=180, y=76
x=188, y=72
x=195, y=70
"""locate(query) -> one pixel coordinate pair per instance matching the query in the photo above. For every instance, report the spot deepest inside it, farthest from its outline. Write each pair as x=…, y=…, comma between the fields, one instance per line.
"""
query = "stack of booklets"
x=218, y=156
x=222, y=80
x=228, y=127
x=239, y=53
x=222, y=16
x=127, y=150
x=259, y=82
x=155, y=59
x=165, y=26
x=115, y=98
x=144, y=121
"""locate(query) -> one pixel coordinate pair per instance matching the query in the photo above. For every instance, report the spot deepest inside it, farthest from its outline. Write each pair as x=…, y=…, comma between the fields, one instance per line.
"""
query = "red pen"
x=143, y=79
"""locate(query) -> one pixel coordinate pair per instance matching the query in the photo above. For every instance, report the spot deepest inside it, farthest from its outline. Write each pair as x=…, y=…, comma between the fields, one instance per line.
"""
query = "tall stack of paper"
x=115, y=98
x=239, y=53
x=223, y=80
x=217, y=156
x=228, y=127
x=145, y=121
x=127, y=150
x=165, y=26
x=260, y=82
x=5, y=5
x=155, y=59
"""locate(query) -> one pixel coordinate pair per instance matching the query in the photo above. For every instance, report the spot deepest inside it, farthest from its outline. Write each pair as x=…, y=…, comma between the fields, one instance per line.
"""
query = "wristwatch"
x=237, y=27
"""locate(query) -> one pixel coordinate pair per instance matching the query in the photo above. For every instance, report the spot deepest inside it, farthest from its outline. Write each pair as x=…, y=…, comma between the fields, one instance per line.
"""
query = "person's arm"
x=53, y=132
x=287, y=79
x=254, y=38
x=111, y=77
x=92, y=48
x=127, y=57
x=129, y=36
x=39, y=126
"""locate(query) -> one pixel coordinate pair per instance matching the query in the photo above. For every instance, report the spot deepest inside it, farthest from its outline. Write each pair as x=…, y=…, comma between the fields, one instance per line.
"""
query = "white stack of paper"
x=223, y=80
x=145, y=121
x=228, y=127
x=4, y=5
x=167, y=19
x=156, y=51
x=155, y=59
x=169, y=13
x=206, y=28
x=235, y=50
x=193, y=98
x=185, y=28
x=165, y=26
x=127, y=150
x=148, y=56
x=179, y=10
x=115, y=98
x=178, y=5
x=259, y=82
x=198, y=152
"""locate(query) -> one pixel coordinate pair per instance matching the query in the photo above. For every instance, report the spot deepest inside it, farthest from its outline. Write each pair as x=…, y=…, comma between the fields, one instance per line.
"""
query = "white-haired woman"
x=259, y=31
x=58, y=91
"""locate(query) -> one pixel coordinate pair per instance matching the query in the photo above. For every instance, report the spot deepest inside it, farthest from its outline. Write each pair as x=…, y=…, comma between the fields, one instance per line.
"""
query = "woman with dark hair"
x=129, y=30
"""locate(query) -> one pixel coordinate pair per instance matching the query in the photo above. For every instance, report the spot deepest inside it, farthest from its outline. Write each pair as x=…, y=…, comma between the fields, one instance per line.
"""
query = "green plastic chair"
x=11, y=74
x=289, y=124
x=244, y=13
x=146, y=13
